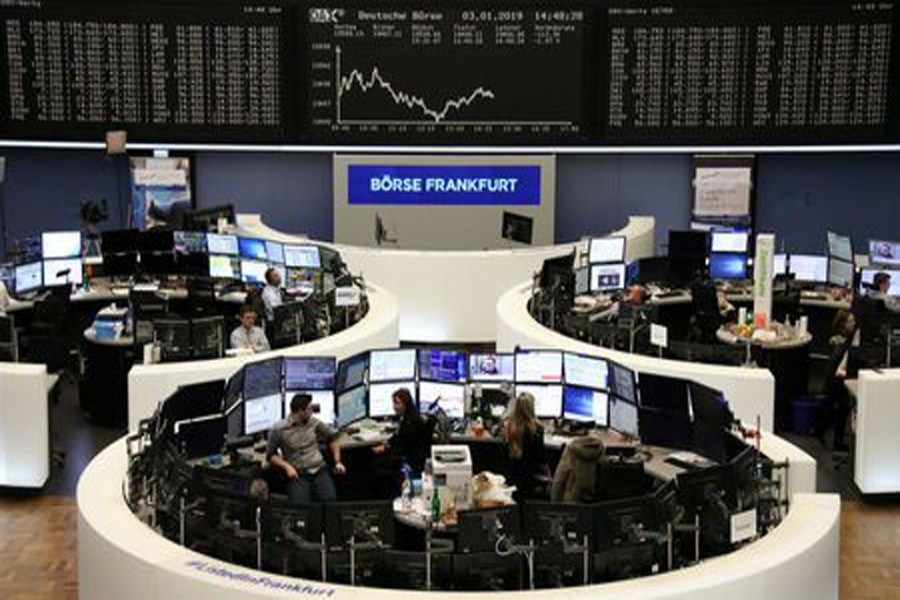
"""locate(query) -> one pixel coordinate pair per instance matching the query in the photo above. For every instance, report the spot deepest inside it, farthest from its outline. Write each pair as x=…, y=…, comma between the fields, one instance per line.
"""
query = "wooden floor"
x=38, y=550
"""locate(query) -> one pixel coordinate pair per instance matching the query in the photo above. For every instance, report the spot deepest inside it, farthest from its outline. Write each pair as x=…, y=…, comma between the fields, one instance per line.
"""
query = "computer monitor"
x=252, y=248
x=547, y=399
x=539, y=366
x=322, y=400
x=623, y=417
x=159, y=263
x=120, y=265
x=233, y=390
x=867, y=277
x=479, y=529
x=381, y=402
x=363, y=522
x=728, y=266
x=174, y=337
x=585, y=371
x=60, y=244
x=607, y=278
x=653, y=269
x=208, y=337
x=155, y=240
x=884, y=253
x=517, y=228
x=687, y=244
x=262, y=378
x=392, y=365
x=306, y=257
x=558, y=525
x=200, y=437
x=622, y=382
x=190, y=242
x=442, y=365
x=224, y=267
x=840, y=246
x=121, y=241
x=274, y=252
x=660, y=392
x=63, y=271
x=712, y=418
x=351, y=371
x=808, y=267
x=351, y=406
x=666, y=429
x=406, y=570
x=487, y=571
x=303, y=281
x=492, y=367
x=301, y=520
x=262, y=413
x=557, y=271
x=253, y=271
x=606, y=250
x=780, y=264
x=29, y=277
x=730, y=242
x=193, y=401
x=620, y=523
x=697, y=487
x=840, y=273
x=449, y=397
x=222, y=244
x=309, y=373
x=585, y=405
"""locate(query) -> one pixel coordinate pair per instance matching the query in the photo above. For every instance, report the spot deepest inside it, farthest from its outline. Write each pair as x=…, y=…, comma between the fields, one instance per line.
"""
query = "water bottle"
x=406, y=488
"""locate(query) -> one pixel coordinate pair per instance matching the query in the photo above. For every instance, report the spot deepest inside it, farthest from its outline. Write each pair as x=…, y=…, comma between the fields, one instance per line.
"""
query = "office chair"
x=705, y=320
x=786, y=303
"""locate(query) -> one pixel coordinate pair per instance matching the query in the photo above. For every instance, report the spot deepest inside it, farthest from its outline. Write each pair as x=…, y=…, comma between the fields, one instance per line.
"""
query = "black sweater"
x=410, y=443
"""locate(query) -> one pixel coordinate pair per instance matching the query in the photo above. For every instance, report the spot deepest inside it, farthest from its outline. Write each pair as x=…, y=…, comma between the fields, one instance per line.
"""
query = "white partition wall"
x=24, y=424
x=450, y=296
x=877, y=453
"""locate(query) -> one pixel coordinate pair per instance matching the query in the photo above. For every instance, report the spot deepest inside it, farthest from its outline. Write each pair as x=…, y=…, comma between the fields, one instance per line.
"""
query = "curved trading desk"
x=449, y=296
x=120, y=557
x=148, y=385
x=750, y=392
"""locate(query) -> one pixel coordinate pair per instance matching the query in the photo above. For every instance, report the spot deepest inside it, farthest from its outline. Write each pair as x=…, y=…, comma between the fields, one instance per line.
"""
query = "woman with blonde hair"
x=525, y=443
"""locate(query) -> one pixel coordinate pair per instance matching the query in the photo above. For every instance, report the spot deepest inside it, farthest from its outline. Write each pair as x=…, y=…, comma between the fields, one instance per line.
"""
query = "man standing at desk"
x=247, y=335
x=271, y=294
x=294, y=448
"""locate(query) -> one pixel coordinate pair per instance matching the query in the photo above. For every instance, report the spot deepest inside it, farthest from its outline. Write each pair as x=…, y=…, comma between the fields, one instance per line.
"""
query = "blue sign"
x=500, y=185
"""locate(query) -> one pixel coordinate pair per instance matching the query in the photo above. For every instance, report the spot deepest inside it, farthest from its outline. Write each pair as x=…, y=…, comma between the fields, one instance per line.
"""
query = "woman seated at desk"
x=525, y=448
x=410, y=444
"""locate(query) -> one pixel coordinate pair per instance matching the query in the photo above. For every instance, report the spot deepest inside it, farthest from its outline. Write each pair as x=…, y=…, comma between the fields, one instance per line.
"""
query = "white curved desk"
x=449, y=296
x=120, y=557
x=148, y=385
x=750, y=392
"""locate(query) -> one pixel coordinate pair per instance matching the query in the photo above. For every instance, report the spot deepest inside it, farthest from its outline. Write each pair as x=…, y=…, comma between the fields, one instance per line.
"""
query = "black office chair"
x=786, y=303
x=705, y=320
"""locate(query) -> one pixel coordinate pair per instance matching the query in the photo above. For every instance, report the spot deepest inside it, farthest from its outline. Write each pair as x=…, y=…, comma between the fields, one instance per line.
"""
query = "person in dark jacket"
x=410, y=444
x=843, y=331
x=525, y=448
x=575, y=477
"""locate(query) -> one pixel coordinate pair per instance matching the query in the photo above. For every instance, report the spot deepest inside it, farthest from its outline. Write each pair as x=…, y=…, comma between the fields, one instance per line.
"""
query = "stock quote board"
x=415, y=73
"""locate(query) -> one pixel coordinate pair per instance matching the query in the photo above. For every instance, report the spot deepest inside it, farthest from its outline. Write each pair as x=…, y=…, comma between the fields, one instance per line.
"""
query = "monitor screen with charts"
x=730, y=241
x=62, y=271
x=253, y=271
x=190, y=242
x=623, y=416
x=29, y=277
x=352, y=371
x=607, y=250
x=381, y=403
x=449, y=397
x=607, y=278
x=392, y=365
x=585, y=371
x=302, y=256
x=840, y=273
x=351, y=406
x=442, y=365
x=492, y=367
x=309, y=373
x=252, y=248
x=884, y=253
x=262, y=378
x=274, y=252
x=547, y=399
x=808, y=267
x=839, y=246
x=585, y=405
x=623, y=382
x=261, y=414
x=539, y=366
x=224, y=267
x=60, y=244
x=222, y=244
x=323, y=401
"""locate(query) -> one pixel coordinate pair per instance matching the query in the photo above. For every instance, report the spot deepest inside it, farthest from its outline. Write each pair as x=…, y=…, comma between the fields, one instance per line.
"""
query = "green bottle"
x=435, y=506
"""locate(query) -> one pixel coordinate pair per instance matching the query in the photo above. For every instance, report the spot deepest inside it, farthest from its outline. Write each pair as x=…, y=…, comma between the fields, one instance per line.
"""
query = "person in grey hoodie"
x=577, y=470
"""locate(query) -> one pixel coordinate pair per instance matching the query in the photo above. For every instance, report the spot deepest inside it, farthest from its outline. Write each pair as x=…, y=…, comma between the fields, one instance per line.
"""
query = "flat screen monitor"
x=190, y=242
x=711, y=418
x=622, y=382
x=727, y=266
x=607, y=278
x=309, y=373
x=730, y=241
x=222, y=244
x=585, y=405
x=539, y=366
x=606, y=250
x=669, y=394
x=661, y=428
x=449, y=397
x=780, y=266
x=224, y=267
x=121, y=241
x=252, y=248
x=253, y=271
x=350, y=406
x=392, y=365
x=517, y=228
x=29, y=277
x=808, y=267
x=442, y=365
x=274, y=252
x=233, y=390
x=156, y=240
x=62, y=271
x=547, y=399
x=381, y=403
x=322, y=400
x=304, y=281
x=262, y=413
x=262, y=378
x=884, y=253
x=687, y=244
x=351, y=371
x=60, y=244
x=839, y=246
x=306, y=257
x=840, y=273
x=623, y=416
x=492, y=367
x=585, y=371
x=866, y=277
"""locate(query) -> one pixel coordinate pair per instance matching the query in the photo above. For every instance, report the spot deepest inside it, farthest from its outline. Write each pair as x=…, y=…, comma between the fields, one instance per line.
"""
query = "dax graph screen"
x=446, y=74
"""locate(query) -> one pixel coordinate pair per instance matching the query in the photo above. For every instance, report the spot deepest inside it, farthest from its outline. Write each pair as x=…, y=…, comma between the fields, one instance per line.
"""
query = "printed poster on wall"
x=160, y=190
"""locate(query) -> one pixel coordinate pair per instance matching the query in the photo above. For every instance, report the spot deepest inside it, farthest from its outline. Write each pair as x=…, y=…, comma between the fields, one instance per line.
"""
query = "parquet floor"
x=38, y=550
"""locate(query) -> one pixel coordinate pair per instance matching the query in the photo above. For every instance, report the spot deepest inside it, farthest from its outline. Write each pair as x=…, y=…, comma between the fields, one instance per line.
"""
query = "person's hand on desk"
x=340, y=469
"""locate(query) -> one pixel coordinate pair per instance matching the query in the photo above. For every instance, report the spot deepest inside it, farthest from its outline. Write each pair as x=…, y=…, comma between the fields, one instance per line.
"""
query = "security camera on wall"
x=381, y=234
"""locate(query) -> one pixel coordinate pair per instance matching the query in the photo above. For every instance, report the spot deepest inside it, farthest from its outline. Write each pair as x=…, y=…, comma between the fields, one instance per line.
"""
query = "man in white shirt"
x=271, y=294
x=247, y=335
x=882, y=283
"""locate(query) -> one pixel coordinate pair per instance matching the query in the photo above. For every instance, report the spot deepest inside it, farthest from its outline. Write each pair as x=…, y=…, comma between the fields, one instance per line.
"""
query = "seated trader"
x=881, y=285
x=271, y=294
x=576, y=473
x=843, y=331
x=411, y=442
x=247, y=335
x=294, y=448
x=525, y=447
